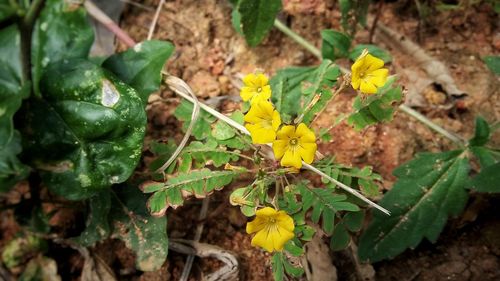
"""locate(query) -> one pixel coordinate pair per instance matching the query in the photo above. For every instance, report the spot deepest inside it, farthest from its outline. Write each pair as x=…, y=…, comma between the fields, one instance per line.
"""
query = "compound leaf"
x=202, y=129
x=335, y=44
x=257, y=18
x=429, y=189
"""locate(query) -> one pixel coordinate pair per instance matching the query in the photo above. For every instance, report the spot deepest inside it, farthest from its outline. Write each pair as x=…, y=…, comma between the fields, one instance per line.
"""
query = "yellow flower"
x=274, y=229
x=256, y=88
x=294, y=144
x=368, y=74
x=262, y=122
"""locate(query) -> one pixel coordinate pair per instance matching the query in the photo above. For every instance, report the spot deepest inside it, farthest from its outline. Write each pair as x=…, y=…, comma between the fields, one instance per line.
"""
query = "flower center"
x=293, y=142
x=362, y=75
x=259, y=89
x=272, y=220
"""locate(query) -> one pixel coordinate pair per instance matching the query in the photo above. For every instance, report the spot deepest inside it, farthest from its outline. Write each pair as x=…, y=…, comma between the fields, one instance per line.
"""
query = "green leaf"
x=257, y=18
x=379, y=107
x=335, y=44
x=340, y=238
x=277, y=266
x=429, y=189
x=97, y=225
x=481, y=133
x=484, y=155
x=373, y=50
x=222, y=131
x=91, y=133
x=202, y=129
x=293, y=249
x=145, y=235
x=61, y=32
x=493, y=63
x=195, y=183
x=204, y=152
x=488, y=180
x=353, y=221
x=140, y=66
x=6, y=10
x=11, y=169
x=325, y=204
x=15, y=251
x=353, y=12
x=295, y=87
x=236, y=21
x=292, y=270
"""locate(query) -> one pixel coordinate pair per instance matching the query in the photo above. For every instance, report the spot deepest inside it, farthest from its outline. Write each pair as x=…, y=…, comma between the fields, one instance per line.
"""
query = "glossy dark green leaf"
x=140, y=66
x=12, y=92
x=97, y=225
x=481, y=133
x=335, y=44
x=257, y=18
x=429, y=189
x=61, y=32
x=493, y=63
x=91, y=133
x=374, y=50
x=488, y=180
x=145, y=235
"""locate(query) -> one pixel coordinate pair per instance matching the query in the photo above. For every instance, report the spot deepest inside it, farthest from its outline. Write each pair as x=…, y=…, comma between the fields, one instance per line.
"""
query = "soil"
x=211, y=57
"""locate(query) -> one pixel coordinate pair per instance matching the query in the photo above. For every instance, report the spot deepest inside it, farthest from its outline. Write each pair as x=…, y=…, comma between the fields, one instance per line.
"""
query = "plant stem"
x=26, y=30
x=299, y=39
x=413, y=113
x=32, y=13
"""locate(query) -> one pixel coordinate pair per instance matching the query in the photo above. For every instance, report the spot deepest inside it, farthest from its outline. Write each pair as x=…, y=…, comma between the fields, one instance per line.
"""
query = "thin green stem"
x=299, y=39
x=316, y=52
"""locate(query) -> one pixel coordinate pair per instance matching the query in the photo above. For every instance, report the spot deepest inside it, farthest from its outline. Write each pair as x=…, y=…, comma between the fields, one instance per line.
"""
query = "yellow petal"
x=286, y=132
x=307, y=151
x=279, y=236
x=257, y=224
x=279, y=148
x=373, y=63
x=291, y=158
x=261, y=135
x=304, y=133
x=250, y=80
x=368, y=88
x=247, y=93
x=276, y=120
x=262, y=239
x=266, y=212
x=379, y=77
x=262, y=80
x=355, y=81
x=285, y=221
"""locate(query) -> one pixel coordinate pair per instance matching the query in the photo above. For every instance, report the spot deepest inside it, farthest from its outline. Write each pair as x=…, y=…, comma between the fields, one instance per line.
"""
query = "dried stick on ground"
x=227, y=272
x=434, y=68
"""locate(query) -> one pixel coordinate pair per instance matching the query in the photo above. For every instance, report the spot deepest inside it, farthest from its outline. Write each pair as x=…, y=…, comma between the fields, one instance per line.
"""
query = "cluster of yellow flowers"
x=291, y=143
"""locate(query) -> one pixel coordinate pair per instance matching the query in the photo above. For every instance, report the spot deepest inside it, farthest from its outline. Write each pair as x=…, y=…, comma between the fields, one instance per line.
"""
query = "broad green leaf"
x=202, y=129
x=481, y=133
x=378, y=107
x=140, y=66
x=257, y=18
x=429, y=189
x=335, y=44
x=373, y=50
x=91, y=133
x=488, y=180
x=61, y=32
x=493, y=63
x=277, y=266
x=145, y=235
x=294, y=88
x=195, y=183
x=325, y=204
x=97, y=226
x=340, y=238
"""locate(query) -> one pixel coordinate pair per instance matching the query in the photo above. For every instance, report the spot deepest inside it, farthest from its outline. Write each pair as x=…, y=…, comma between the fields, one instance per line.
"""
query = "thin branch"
x=155, y=20
x=299, y=39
